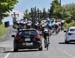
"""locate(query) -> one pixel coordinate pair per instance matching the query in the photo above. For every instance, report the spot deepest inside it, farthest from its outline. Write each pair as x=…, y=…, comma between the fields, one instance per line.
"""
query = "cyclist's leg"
x=47, y=42
x=44, y=40
x=48, y=39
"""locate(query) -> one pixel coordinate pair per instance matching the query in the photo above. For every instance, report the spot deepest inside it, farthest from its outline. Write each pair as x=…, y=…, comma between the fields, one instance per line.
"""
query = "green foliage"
x=70, y=12
x=26, y=14
x=56, y=9
x=66, y=12
x=67, y=25
x=6, y=6
x=39, y=15
x=44, y=14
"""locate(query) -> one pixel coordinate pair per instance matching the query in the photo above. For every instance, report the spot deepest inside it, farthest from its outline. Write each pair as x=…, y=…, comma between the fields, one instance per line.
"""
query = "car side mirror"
x=65, y=31
x=12, y=35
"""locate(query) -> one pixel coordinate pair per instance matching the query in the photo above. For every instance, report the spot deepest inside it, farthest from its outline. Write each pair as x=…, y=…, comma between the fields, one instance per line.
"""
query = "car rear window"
x=27, y=32
x=72, y=29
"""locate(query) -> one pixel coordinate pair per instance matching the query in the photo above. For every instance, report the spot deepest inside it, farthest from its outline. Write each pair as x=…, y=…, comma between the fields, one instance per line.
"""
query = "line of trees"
x=36, y=13
x=69, y=11
x=55, y=11
x=66, y=12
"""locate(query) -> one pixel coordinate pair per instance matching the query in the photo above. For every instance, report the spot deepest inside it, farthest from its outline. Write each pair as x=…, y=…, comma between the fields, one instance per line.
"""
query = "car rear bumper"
x=70, y=39
x=24, y=46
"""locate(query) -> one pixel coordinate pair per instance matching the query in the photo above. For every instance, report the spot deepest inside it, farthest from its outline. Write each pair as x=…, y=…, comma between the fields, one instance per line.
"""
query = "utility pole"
x=14, y=17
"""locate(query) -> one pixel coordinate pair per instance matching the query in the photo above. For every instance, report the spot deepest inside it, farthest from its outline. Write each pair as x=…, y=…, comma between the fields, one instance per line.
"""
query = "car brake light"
x=18, y=37
x=37, y=37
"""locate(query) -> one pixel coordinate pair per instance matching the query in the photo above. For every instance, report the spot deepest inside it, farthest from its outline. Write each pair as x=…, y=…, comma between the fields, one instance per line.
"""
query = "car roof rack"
x=27, y=29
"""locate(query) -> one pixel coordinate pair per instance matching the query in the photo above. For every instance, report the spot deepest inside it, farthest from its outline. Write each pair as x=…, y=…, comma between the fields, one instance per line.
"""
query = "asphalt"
x=57, y=49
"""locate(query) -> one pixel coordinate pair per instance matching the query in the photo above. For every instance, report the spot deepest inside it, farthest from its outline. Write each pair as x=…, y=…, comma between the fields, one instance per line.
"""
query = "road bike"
x=46, y=42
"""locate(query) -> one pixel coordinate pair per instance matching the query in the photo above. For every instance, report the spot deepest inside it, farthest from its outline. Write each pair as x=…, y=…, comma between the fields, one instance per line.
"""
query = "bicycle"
x=47, y=42
x=46, y=34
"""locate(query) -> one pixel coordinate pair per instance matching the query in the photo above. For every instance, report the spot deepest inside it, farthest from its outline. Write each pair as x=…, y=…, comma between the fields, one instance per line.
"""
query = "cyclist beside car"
x=46, y=35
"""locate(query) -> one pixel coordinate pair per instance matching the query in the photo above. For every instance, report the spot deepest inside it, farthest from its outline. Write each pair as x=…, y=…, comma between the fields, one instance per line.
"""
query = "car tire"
x=40, y=49
x=67, y=42
x=15, y=47
x=15, y=50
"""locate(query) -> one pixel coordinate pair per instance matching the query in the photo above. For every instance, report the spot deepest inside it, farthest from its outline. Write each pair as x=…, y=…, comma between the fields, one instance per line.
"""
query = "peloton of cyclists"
x=46, y=28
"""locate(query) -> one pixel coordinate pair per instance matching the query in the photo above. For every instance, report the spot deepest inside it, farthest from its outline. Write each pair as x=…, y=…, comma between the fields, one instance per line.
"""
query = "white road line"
x=6, y=56
x=68, y=54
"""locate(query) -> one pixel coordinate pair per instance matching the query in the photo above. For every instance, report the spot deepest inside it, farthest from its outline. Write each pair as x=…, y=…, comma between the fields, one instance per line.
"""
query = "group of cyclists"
x=45, y=27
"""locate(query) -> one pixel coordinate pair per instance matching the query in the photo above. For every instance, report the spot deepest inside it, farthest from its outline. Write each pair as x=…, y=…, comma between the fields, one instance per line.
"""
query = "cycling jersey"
x=46, y=32
x=45, y=29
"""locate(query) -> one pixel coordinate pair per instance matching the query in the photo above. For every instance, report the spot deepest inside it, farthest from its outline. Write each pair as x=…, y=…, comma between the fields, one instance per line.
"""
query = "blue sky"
x=27, y=4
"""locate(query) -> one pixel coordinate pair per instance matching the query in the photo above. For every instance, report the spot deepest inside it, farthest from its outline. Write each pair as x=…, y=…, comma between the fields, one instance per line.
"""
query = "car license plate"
x=23, y=44
x=29, y=44
x=27, y=39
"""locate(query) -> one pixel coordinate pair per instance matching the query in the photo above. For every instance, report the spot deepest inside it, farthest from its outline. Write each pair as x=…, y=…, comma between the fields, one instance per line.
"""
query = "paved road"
x=57, y=49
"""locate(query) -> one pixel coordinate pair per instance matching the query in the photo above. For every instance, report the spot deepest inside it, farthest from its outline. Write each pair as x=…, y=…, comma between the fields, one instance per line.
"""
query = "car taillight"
x=18, y=37
x=37, y=37
x=69, y=33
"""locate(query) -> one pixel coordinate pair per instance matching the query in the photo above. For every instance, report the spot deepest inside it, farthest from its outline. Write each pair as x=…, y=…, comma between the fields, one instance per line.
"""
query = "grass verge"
x=2, y=31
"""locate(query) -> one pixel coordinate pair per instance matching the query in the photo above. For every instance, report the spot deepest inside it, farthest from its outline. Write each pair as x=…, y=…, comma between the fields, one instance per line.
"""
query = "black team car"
x=27, y=39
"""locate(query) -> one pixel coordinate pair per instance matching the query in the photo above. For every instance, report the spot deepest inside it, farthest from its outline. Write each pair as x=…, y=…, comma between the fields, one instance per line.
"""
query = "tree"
x=70, y=12
x=6, y=6
x=26, y=14
x=55, y=10
x=44, y=14
x=38, y=11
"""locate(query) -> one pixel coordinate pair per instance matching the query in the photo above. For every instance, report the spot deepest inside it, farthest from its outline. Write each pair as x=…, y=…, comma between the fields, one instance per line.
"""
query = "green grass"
x=2, y=30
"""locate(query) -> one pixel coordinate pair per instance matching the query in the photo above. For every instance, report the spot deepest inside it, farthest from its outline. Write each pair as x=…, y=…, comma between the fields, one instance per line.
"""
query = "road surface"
x=57, y=49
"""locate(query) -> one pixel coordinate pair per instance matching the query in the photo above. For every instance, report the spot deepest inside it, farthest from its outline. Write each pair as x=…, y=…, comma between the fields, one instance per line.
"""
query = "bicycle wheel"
x=46, y=44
